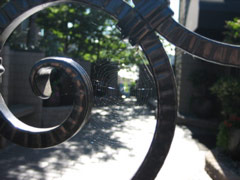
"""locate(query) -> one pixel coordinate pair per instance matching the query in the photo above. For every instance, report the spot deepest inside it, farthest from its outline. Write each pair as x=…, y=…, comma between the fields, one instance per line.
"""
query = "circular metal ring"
x=161, y=68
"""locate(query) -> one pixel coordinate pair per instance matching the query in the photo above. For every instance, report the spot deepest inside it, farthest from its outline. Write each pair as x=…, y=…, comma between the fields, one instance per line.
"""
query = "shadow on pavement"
x=97, y=137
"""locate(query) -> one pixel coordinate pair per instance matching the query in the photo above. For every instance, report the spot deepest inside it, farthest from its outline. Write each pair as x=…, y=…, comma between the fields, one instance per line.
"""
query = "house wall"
x=186, y=65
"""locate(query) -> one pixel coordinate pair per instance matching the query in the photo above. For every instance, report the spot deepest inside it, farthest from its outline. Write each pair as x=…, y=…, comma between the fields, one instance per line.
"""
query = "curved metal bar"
x=158, y=18
x=167, y=103
x=11, y=15
x=167, y=107
x=2, y=69
x=14, y=12
x=197, y=45
x=28, y=136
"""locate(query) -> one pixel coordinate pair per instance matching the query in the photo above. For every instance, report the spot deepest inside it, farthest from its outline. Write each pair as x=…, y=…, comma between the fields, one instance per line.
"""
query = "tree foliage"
x=82, y=32
x=227, y=90
x=75, y=31
x=232, y=33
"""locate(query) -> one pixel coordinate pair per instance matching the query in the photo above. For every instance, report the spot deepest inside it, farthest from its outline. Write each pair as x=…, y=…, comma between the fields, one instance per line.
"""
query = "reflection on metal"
x=25, y=135
x=2, y=70
x=139, y=25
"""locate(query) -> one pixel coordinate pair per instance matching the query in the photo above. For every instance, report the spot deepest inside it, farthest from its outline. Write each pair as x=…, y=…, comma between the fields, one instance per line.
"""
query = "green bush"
x=227, y=90
x=223, y=136
x=232, y=33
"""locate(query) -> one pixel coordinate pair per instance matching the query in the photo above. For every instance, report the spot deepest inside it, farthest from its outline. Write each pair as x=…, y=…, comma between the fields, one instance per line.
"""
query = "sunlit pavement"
x=111, y=146
x=185, y=160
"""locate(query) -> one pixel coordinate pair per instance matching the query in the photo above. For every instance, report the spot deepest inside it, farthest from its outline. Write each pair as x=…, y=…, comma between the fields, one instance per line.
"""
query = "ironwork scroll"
x=138, y=24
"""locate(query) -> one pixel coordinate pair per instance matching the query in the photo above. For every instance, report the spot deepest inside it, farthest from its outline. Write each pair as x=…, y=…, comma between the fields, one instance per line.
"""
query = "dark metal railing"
x=139, y=25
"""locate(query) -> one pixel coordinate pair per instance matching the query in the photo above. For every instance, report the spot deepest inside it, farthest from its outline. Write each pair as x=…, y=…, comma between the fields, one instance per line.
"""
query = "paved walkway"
x=186, y=159
x=111, y=146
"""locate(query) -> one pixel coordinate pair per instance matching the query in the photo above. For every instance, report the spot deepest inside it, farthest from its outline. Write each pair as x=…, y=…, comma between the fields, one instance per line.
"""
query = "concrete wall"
x=15, y=85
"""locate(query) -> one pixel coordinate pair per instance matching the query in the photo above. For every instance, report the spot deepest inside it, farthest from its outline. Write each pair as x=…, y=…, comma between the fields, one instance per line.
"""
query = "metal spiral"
x=138, y=24
x=28, y=136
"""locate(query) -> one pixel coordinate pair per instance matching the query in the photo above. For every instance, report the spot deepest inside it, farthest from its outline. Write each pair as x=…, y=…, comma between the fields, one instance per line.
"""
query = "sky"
x=170, y=49
x=174, y=4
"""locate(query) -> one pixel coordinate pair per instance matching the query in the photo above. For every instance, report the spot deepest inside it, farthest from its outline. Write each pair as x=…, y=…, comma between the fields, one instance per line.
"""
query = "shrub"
x=227, y=90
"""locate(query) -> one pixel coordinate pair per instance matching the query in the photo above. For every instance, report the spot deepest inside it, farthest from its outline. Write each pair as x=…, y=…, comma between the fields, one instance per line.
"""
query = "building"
x=194, y=77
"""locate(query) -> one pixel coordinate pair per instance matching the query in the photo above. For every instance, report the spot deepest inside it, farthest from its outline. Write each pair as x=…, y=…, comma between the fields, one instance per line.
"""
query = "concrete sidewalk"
x=186, y=159
x=184, y=162
x=112, y=146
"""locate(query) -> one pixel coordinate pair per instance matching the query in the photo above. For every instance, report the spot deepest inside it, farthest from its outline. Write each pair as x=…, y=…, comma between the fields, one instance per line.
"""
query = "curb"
x=216, y=168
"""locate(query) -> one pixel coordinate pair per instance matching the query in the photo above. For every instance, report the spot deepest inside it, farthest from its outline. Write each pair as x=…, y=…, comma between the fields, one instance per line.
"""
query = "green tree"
x=82, y=32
